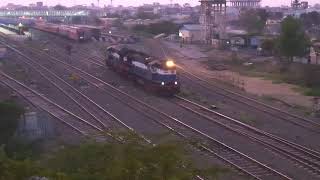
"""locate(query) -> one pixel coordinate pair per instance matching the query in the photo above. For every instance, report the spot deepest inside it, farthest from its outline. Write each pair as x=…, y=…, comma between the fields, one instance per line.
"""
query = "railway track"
x=307, y=158
x=97, y=114
x=242, y=99
x=253, y=103
x=233, y=157
x=68, y=118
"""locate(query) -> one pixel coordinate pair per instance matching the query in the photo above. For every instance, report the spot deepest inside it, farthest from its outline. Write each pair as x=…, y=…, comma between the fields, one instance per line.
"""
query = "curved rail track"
x=226, y=153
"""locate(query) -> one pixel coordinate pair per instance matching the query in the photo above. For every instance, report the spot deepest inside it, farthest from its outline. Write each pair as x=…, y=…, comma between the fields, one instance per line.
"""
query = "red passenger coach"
x=52, y=28
x=70, y=32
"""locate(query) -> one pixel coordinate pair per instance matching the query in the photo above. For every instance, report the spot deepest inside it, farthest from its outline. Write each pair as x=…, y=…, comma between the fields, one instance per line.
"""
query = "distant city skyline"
x=133, y=2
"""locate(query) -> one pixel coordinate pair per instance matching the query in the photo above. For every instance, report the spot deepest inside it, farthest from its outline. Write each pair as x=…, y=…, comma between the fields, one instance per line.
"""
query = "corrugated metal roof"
x=237, y=32
x=192, y=27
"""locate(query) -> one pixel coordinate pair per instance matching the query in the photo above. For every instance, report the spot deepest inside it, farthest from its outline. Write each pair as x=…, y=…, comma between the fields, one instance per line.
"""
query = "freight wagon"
x=69, y=32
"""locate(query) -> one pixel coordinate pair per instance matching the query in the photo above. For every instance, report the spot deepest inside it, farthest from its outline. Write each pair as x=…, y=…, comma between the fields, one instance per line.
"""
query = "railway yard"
x=257, y=140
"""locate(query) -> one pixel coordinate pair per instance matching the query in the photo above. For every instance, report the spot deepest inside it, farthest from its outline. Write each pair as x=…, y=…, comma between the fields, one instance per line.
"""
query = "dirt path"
x=258, y=86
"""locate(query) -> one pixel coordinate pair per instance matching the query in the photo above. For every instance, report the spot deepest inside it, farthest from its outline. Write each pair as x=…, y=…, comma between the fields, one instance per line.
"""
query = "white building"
x=315, y=54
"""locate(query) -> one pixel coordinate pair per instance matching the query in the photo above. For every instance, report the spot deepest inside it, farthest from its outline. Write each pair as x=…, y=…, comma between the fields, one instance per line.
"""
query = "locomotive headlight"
x=170, y=64
x=176, y=83
x=162, y=83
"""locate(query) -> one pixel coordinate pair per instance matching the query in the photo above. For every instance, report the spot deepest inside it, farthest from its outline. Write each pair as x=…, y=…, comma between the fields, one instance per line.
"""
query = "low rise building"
x=273, y=27
x=108, y=22
x=134, y=22
x=190, y=33
x=315, y=53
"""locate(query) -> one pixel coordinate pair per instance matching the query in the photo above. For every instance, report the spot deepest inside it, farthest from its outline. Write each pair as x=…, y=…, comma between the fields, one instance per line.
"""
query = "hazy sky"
x=134, y=2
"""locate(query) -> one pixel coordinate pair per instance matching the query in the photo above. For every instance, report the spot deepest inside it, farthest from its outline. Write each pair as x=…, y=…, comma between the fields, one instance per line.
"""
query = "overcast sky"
x=134, y=2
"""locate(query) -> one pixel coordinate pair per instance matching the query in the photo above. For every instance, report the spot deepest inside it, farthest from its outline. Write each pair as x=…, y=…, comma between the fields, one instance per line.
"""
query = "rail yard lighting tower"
x=212, y=19
x=20, y=27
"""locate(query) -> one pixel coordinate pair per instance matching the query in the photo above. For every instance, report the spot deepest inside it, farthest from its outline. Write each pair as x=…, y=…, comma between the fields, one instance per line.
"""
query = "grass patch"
x=194, y=96
x=268, y=98
x=305, y=110
x=246, y=118
x=166, y=27
x=302, y=75
x=131, y=158
x=313, y=91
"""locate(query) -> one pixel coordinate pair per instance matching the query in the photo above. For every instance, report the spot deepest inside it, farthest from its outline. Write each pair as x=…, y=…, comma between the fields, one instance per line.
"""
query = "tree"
x=76, y=20
x=118, y=23
x=263, y=14
x=113, y=15
x=16, y=169
x=292, y=41
x=310, y=19
x=268, y=46
x=130, y=159
x=310, y=75
x=125, y=13
x=253, y=20
x=10, y=114
x=59, y=7
x=166, y=27
x=125, y=161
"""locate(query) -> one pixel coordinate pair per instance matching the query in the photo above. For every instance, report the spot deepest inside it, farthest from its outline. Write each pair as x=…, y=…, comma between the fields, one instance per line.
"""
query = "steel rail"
x=308, y=124
x=237, y=95
x=83, y=95
x=307, y=157
x=298, y=149
x=229, y=149
x=46, y=105
x=44, y=75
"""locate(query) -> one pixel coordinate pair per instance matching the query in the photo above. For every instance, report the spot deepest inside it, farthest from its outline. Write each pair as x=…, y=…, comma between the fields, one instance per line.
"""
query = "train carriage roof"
x=89, y=26
x=127, y=50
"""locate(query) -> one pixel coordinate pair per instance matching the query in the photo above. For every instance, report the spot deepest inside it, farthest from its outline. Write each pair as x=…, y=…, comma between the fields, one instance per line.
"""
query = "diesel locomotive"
x=153, y=74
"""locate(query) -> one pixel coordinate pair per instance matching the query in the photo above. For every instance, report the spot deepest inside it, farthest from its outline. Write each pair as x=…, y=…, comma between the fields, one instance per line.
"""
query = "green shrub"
x=10, y=113
x=166, y=27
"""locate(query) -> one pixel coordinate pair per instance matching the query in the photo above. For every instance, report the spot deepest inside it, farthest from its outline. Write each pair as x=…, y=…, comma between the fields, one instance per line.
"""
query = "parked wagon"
x=69, y=32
